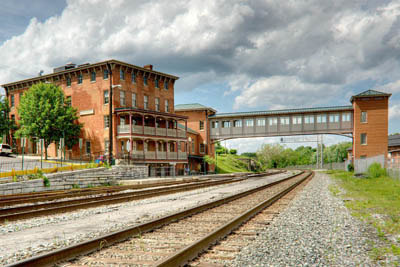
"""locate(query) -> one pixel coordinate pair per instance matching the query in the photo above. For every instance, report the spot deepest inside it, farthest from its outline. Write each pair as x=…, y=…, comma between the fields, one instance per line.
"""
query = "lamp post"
x=189, y=148
x=110, y=128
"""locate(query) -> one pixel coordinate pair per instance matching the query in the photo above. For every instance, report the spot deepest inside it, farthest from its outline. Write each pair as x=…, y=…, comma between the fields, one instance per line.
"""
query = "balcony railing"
x=152, y=155
x=148, y=130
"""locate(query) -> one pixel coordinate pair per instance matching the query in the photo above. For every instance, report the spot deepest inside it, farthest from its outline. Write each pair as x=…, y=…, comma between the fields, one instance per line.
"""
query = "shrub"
x=375, y=170
x=350, y=167
x=233, y=151
x=46, y=182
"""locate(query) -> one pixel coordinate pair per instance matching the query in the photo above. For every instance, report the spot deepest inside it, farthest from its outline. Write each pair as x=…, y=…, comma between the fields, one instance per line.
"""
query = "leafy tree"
x=233, y=151
x=6, y=124
x=45, y=114
x=249, y=154
x=219, y=149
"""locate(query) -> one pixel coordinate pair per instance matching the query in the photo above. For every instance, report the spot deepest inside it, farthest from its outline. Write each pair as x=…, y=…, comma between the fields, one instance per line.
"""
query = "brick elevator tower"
x=370, y=129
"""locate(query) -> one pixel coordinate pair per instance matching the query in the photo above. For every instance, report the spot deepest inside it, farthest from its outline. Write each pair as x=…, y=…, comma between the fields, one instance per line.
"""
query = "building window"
x=122, y=74
x=202, y=148
x=166, y=85
x=215, y=124
x=87, y=147
x=12, y=100
x=296, y=120
x=105, y=74
x=309, y=119
x=156, y=82
x=106, y=121
x=334, y=118
x=363, y=138
x=346, y=117
x=93, y=76
x=321, y=118
x=237, y=123
x=166, y=105
x=134, y=100
x=68, y=81
x=106, y=146
x=106, y=98
x=363, y=116
x=133, y=77
x=145, y=80
x=273, y=121
x=201, y=125
x=157, y=101
x=261, y=122
x=146, y=102
x=284, y=120
x=122, y=98
x=249, y=123
x=80, y=78
x=226, y=124
x=68, y=101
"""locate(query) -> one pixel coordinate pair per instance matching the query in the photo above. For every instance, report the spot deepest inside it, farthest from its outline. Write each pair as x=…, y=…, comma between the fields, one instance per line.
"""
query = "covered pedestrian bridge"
x=305, y=121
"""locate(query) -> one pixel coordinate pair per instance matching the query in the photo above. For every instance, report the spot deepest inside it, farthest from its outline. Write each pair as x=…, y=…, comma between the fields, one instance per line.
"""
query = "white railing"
x=149, y=130
x=150, y=154
x=182, y=155
x=161, y=131
x=181, y=133
x=171, y=132
x=161, y=155
x=172, y=155
x=137, y=129
x=123, y=129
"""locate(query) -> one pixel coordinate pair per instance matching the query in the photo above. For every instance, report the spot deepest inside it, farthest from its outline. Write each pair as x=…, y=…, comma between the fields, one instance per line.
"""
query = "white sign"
x=23, y=141
x=62, y=143
x=86, y=112
x=80, y=143
x=128, y=146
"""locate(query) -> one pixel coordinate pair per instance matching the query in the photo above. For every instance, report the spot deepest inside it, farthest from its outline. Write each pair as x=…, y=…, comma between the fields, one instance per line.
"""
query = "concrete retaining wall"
x=79, y=178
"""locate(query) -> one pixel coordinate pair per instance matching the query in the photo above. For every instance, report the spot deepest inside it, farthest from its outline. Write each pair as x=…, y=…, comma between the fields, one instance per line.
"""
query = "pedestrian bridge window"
x=249, y=123
x=273, y=121
x=296, y=120
x=321, y=119
x=226, y=124
x=334, y=118
x=346, y=117
x=309, y=119
x=284, y=120
x=261, y=122
x=237, y=123
x=215, y=124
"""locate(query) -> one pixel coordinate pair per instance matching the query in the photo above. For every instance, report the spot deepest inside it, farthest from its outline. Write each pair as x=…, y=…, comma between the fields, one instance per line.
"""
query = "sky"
x=231, y=55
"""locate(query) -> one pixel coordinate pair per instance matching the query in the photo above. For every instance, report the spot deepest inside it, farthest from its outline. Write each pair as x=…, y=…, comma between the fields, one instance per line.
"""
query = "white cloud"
x=394, y=111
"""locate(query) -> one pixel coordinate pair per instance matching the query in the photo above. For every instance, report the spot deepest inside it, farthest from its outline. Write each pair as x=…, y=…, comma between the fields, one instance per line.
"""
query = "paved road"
x=7, y=163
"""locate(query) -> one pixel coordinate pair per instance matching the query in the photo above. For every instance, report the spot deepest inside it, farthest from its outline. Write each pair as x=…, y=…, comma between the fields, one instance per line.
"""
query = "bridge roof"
x=282, y=111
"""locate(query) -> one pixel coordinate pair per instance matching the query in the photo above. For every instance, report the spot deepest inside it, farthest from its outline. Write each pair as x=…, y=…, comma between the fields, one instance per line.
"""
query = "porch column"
x=130, y=132
x=142, y=124
x=176, y=148
x=176, y=126
x=167, y=150
x=156, y=148
x=155, y=125
x=144, y=152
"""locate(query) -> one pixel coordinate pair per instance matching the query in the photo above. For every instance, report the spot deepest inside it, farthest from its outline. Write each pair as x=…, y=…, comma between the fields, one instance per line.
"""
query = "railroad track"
x=31, y=211
x=172, y=240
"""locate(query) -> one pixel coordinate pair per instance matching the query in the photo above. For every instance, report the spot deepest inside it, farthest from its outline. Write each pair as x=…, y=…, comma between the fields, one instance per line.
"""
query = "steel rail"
x=13, y=210
x=71, y=205
x=89, y=246
x=190, y=252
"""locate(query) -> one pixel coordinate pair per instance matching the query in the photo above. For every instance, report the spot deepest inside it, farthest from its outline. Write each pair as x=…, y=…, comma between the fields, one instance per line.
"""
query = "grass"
x=376, y=201
x=230, y=163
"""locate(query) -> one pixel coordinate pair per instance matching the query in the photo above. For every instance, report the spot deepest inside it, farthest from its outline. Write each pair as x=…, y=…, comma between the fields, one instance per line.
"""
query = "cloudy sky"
x=232, y=55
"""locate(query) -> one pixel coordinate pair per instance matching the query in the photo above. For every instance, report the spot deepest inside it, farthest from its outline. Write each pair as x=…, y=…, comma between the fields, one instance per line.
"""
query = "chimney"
x=149, y=67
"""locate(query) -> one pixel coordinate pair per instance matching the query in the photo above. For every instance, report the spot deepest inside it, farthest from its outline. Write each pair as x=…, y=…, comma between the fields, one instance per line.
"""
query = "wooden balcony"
x=147, y=130
x=139, y=155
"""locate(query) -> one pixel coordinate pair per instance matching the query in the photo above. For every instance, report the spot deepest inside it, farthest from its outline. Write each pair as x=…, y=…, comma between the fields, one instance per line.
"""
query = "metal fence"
x=327, y=166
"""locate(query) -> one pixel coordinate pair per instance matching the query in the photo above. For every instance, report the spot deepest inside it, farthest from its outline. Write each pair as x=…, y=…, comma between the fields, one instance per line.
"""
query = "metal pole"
x=23, y=150
x=41, y=154
x=322, y=152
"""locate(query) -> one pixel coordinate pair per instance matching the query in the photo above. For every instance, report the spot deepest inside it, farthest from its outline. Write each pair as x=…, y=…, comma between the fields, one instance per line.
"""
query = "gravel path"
x=315, y=230
x=26, y=238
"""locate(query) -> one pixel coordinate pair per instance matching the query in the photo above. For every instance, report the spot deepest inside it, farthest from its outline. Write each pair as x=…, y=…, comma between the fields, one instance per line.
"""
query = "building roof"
x=282, y=111
x=193, y=106
x=48, y=77
x=369, y=93
x=394, y=140
x=188, y=129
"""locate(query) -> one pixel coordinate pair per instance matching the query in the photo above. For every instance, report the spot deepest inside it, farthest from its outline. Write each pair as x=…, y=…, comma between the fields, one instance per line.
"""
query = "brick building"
x=145, y=126
x=198, y=120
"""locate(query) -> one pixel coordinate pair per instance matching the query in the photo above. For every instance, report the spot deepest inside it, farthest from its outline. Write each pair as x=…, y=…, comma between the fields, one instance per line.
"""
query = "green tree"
x=44, y=113
x=6, y=124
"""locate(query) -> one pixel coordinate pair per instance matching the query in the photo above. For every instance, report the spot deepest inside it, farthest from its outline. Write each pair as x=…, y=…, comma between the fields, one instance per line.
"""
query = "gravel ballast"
x=315, y=230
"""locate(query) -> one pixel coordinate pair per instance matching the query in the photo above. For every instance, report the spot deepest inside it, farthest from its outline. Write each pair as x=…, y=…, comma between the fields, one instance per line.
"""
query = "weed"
x=75, y=186
x=89, y=186
x=375, y=170
x=46, y=182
